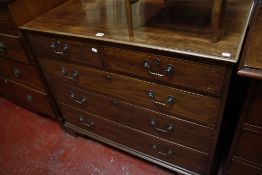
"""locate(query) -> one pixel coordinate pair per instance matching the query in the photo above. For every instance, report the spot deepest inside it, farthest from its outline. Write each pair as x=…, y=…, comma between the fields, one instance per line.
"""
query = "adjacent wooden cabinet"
x=20, y=78
x=245, y=156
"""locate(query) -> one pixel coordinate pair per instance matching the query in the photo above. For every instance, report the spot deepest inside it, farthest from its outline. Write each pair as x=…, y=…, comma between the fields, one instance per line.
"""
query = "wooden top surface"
x=251, y=62
x=181, y=28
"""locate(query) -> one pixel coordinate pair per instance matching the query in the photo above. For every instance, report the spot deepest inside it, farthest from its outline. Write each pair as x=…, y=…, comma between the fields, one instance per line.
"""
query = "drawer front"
x=255, y=109
x=240, y=168
x=7, y=25
x=174, y=71
x=172, y=129
x=12, y=48
x=172, y=101
x=160, y=149
x=250, y=147
x=65, y=50
x=23, y=73
x=26, y=96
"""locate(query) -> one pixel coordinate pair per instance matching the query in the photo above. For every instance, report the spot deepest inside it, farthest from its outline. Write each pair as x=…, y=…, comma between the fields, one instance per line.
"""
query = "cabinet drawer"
x=65, y=50
x=149, y=145
x=250, y=147
x=240, y=168
x=23, y=73
x=189, y=74
x=11, y=47
x=7, y=25
x=33, y=99
x=255, y=109
x=163, y=126
x=163, y=99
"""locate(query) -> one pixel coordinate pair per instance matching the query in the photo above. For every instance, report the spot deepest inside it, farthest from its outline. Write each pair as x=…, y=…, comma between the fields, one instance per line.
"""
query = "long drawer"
x=6, y=23
x=240, y=168
x=160, y=98
x=28, y=97
x=157, y=124
x=20, y=72
x=189, y=74
x=11, y=47
x=250, y=147
x=152, y=146
x=255, y=109
x=66, y=50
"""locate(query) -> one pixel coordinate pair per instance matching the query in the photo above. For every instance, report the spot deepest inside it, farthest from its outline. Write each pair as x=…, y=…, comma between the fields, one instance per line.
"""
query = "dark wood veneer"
x=69, y=50
x=13, y=48
x=136, y=91
x=16, y=61
x=6, y=23
x=181, y=156
x=116, y=72
x=249, y=147
x=183, y=34
x=26, y=96
x=182, y=132
x=245, y=153
x=239, y=168
x=20, y=72
x=197, y=76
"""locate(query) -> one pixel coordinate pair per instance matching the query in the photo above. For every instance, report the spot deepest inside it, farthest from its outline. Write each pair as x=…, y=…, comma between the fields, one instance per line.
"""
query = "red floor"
x=31, y=144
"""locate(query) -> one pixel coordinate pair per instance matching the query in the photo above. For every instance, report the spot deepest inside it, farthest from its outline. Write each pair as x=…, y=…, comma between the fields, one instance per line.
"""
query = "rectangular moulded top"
x=183, y=27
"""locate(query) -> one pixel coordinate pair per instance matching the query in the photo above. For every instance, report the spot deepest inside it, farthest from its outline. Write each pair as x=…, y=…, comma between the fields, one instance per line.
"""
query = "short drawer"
x=239, y=168
x=165, y=151
x=28, y=97
x=20, y=72
x=188, y=74
x=11, y=47
x=250, y=147
x=65, y=50
x=7, y=25
x=157, y=124
x=254, y=116
x=160, y=98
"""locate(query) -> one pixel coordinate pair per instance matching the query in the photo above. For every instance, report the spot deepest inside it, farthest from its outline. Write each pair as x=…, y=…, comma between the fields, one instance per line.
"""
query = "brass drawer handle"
x=59, y=48
x=17, y=72
x=71, y=77
x=29, y=98
x=86, y=122
x=78, y=100
x=157, y=149
x=168, y=71
x=169, y=101
x=109, y=78
x=2, y=47
x=169, y=128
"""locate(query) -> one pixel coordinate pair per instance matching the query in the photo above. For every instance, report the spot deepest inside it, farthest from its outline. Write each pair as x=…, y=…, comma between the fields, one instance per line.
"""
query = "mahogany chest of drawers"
x=159, y=103
x=245, y=156
x=19, y=76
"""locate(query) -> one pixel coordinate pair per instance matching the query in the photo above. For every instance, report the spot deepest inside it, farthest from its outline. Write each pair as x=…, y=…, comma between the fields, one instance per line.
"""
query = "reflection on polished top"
x=182, y=26
x=251, y=61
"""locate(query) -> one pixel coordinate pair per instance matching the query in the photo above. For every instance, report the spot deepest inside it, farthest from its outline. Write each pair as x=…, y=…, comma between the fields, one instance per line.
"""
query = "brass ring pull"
x=76, y=99
x=2, y=47
x=29, y=98
x=59, y=48
x=156, y=148
x=86, y=122
x=169, y=101
x=168, y=71
x=17, y=72
x=109, y=78
x=71, y=77
x=169, y=128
